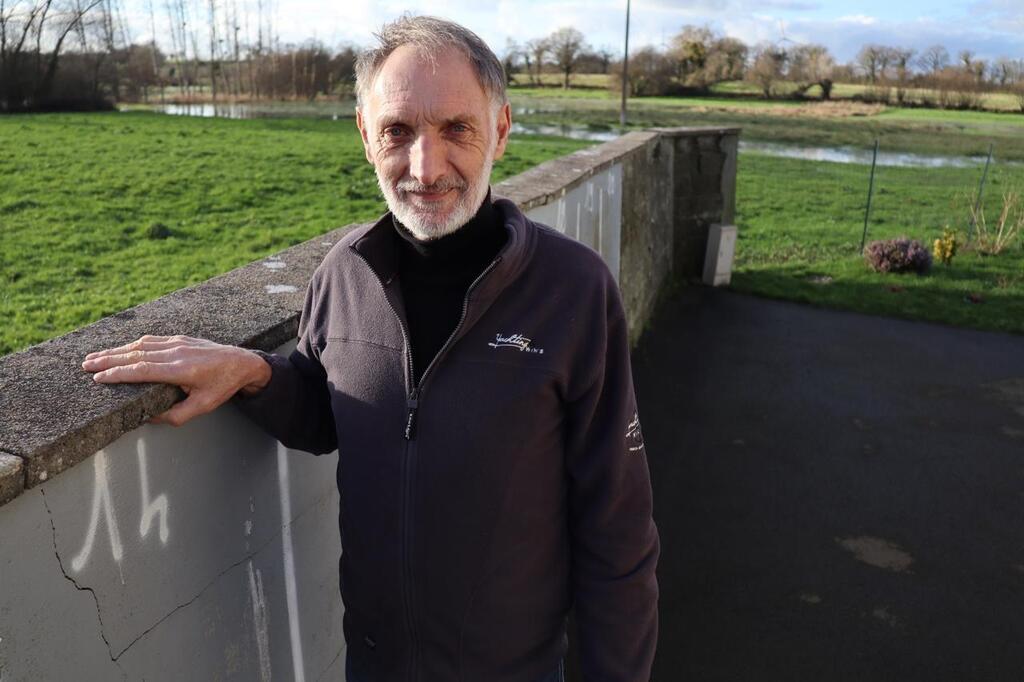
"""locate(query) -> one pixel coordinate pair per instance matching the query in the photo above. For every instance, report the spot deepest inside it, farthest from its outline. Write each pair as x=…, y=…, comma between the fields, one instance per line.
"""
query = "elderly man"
x=472, y=370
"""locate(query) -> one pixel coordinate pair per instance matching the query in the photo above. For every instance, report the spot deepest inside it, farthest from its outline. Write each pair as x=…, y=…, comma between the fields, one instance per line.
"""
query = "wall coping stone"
x=553, y=179
x=12, y=477
x=54, y=416
x=695, y=131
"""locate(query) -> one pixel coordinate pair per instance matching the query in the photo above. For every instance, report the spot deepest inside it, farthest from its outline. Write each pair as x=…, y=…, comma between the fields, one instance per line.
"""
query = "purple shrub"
x=898, y=255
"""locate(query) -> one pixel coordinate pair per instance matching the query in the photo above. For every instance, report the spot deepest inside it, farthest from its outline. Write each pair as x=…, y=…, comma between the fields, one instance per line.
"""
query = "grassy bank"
x=607, y=86
x=99, y=212
x=800, y=230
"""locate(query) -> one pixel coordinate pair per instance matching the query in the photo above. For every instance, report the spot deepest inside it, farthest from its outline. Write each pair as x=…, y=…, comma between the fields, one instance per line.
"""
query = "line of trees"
x=79, y=54
x=71, y=54
x=697, y=57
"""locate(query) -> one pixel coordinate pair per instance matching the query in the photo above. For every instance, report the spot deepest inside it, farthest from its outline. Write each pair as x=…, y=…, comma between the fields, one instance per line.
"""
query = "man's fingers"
x=141, y=372
x=130, y=357
x=143, y=343
x=189, y=408
x=176, y=416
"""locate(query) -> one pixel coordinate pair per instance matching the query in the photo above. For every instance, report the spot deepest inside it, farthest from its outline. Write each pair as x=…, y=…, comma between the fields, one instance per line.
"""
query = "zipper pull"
x=410, y=421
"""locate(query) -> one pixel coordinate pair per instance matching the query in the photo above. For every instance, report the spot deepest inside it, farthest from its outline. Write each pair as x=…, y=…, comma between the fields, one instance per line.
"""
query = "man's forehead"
x=409, y=75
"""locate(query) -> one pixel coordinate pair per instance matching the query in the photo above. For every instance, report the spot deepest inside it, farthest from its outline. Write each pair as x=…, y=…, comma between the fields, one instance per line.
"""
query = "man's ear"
x=364, y=134
x=503, y=126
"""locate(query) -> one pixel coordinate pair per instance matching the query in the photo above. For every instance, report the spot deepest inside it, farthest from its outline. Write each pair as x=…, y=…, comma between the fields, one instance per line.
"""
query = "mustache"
x=442, y=185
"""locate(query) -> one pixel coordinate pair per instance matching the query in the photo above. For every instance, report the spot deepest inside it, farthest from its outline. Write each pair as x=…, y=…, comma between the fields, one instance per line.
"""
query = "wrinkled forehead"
x=410, y=77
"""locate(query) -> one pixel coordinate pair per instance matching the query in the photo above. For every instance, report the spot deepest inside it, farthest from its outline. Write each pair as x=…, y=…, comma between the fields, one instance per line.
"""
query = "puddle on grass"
x=863, y=156
x=246, y=110
x=570, y=131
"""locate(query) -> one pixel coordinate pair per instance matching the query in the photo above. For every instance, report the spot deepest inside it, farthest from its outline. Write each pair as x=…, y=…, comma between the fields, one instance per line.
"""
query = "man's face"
x=431, y=133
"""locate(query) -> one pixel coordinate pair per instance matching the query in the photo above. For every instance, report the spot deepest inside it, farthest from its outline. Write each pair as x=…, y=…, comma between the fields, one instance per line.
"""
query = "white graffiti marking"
x=290, y=588
x=100, y=499
x=101, y=502
x=260, y=620
x=150, y=509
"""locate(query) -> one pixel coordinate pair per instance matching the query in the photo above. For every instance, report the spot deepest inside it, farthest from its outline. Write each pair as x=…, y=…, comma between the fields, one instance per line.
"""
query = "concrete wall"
x=133, y=551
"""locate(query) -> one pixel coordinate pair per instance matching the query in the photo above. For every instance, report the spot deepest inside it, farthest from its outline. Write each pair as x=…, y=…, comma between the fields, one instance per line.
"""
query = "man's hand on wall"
x=210, y=373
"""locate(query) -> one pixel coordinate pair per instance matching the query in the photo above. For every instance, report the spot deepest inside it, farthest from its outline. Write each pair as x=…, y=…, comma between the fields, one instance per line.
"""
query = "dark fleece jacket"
x=506, y=487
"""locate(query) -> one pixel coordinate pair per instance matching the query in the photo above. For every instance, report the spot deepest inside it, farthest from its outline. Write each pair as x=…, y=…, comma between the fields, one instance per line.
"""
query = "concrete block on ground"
x=718, y=259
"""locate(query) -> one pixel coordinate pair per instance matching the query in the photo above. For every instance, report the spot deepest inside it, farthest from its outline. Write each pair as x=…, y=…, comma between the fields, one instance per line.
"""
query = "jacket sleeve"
x=295, y=407
x=615, y=542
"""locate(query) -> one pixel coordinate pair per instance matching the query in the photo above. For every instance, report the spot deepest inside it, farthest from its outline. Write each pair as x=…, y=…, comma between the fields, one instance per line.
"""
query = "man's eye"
x=459, y=128
x=394, y=132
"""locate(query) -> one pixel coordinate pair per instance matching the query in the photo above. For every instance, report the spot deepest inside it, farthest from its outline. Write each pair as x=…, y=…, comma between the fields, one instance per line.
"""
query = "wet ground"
x=839, y=496
x=342, y=109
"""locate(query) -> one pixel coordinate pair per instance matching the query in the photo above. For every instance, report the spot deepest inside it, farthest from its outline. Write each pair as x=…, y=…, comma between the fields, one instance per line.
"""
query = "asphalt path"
x=839, y=496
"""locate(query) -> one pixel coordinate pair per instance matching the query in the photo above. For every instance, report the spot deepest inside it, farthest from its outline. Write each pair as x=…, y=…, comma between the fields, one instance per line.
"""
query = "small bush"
x=898, y=255
x=945, y=247
x=158, y=231
x=992, y=239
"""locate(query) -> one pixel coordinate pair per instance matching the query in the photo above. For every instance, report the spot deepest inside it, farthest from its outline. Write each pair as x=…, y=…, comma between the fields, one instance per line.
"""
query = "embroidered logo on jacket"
x=514, y=341
x=634, y=438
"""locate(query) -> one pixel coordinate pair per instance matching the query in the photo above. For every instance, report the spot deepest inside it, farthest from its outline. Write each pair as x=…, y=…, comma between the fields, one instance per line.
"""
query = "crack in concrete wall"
x=115, y=658
x=329, y=665
x=60, y=564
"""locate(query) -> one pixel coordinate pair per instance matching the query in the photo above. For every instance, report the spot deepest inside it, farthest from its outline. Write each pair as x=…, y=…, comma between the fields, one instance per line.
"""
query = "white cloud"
x=860, y=19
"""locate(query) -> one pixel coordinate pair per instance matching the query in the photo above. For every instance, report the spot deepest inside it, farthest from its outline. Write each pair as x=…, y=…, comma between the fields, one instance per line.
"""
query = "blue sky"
x=990, y=28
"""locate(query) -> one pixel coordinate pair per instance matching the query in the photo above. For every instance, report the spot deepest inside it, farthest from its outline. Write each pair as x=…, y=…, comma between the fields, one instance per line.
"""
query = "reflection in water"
x=860, y=156
x=574, y=132
x=331, y=110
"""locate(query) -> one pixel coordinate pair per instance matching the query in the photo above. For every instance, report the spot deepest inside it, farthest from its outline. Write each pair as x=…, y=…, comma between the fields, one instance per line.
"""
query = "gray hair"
x=431, y=36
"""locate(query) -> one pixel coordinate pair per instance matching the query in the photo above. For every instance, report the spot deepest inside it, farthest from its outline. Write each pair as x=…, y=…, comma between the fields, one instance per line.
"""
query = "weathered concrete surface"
x=180, y=541
x=12, y=477
x=548, y=181
x=646, y=259
x=82, y=416
x=704, y=184
x=839, y=496
x=49, y=627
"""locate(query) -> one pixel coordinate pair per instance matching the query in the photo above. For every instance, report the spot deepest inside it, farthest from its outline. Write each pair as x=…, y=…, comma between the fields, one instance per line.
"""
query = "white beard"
x=425, y=225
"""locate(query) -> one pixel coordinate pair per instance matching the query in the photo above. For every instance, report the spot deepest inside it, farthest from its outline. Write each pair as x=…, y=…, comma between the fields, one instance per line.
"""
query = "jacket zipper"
x=412, y=406
x=414, y=398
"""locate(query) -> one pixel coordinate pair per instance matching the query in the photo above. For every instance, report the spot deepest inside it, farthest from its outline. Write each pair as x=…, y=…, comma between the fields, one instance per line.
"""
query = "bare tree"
x=1004, y=71
x=567, y=44
x=812, y=65
x=872, y=59
x=933, y=59
x=31, y=41
x=769, y=67
x=538, y=49
x=901, y=58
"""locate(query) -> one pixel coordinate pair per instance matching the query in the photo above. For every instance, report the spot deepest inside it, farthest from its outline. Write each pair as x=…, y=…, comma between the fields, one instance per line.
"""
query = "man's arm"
x=615, y=543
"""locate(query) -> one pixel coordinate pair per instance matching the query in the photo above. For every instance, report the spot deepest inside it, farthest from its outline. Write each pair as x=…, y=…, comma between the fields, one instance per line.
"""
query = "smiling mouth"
x=431, y=196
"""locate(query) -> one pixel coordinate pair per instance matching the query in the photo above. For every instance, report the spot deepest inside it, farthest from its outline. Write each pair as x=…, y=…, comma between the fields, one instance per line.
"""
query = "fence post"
x=981, y=190
x=871, y=190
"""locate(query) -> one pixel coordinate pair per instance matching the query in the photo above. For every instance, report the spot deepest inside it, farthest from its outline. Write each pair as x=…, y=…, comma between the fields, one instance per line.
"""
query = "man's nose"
x=428, y=159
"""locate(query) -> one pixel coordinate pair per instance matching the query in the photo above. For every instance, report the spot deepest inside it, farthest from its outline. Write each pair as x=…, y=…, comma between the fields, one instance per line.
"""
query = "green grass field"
x=802, y=220
x=86, y=196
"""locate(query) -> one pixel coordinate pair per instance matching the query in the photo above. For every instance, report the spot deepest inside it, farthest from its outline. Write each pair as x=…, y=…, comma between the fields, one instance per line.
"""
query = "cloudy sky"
x=990, y=28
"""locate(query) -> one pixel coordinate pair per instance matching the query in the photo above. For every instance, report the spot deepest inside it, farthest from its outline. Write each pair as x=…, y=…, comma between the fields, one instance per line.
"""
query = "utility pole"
x=625, y=71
